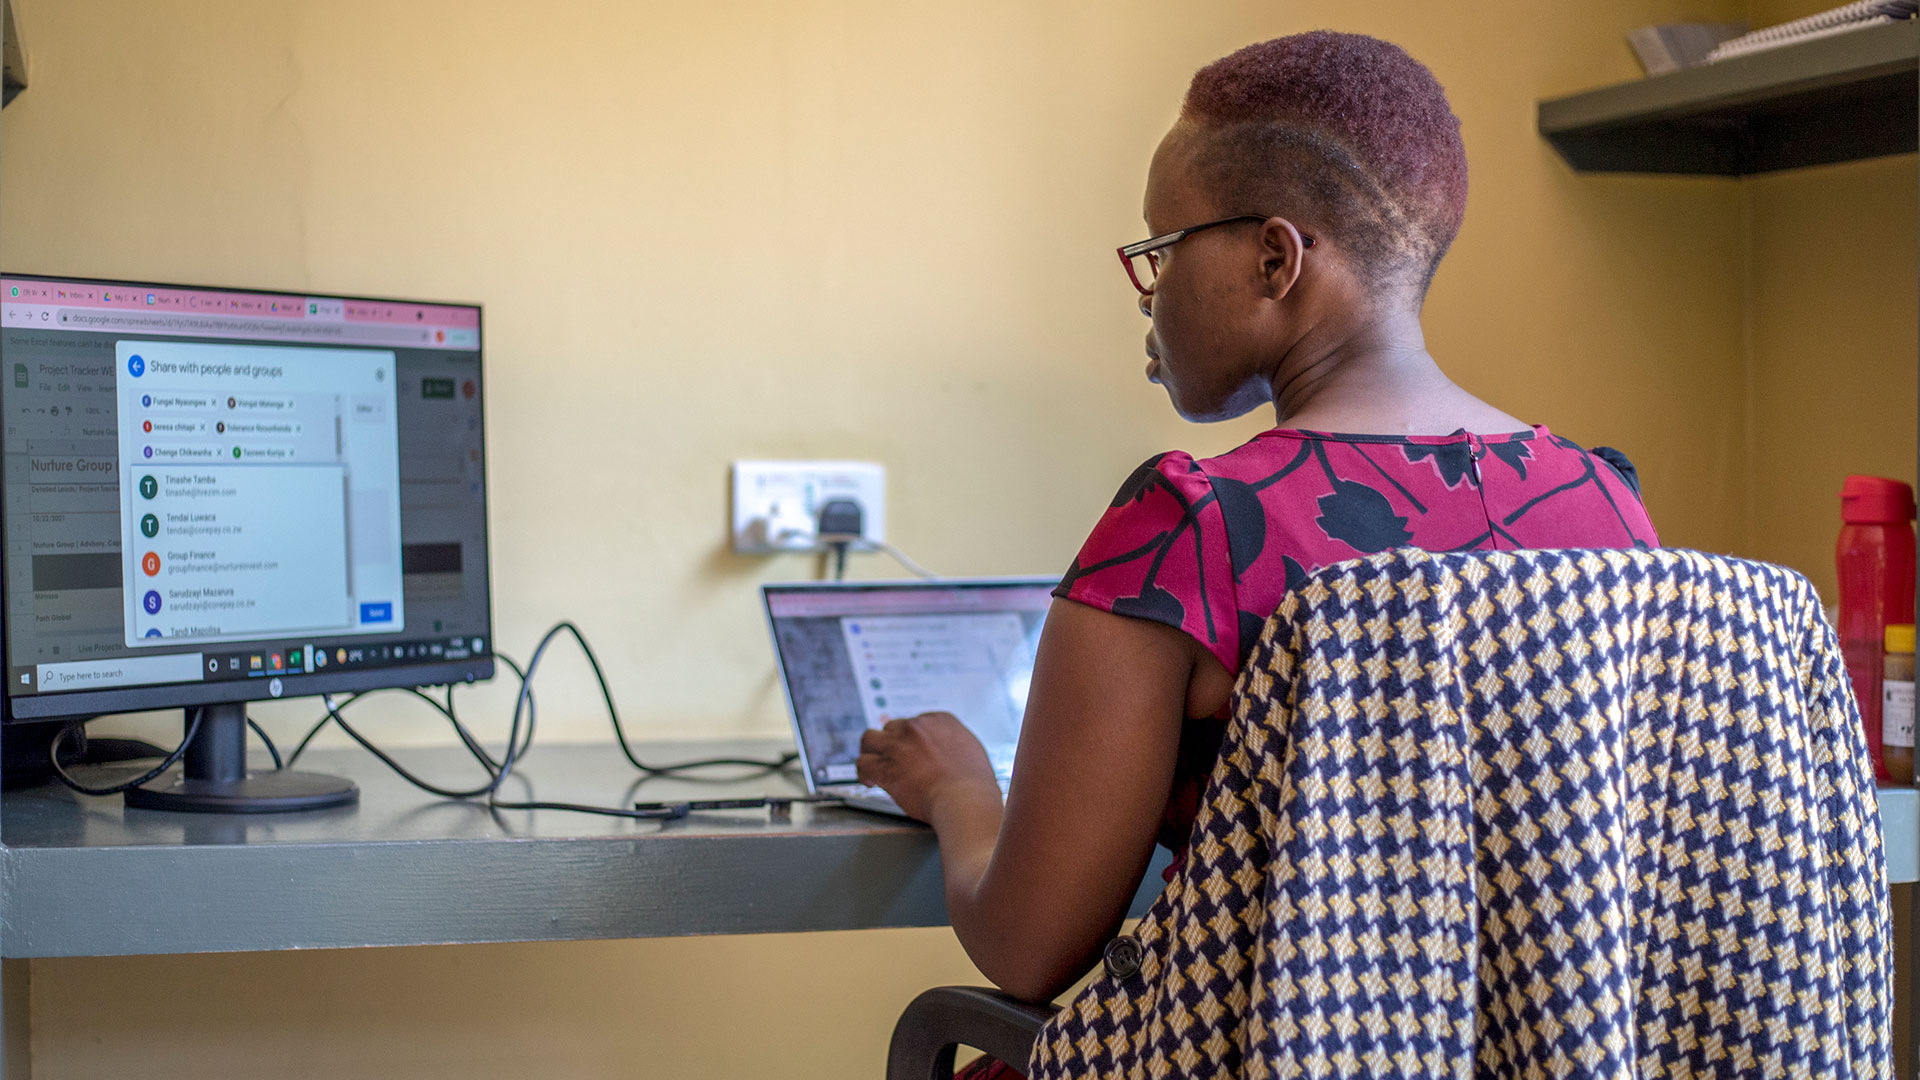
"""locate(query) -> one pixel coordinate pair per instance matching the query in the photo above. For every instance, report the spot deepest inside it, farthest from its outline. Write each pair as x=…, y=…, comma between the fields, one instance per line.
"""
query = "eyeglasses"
x=1142, y=260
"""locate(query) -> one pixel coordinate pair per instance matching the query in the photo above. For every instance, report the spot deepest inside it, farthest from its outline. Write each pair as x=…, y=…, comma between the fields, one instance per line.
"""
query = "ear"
x=1280, y=248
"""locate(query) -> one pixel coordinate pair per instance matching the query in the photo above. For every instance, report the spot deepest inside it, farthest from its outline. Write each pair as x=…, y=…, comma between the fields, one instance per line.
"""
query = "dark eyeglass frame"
x=1153, y=245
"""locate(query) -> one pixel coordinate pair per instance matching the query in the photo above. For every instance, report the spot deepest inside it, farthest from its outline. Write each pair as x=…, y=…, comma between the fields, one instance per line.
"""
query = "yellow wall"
x=833, y=228
x=875, y=229
x=809, y=1005
x=1832, y=337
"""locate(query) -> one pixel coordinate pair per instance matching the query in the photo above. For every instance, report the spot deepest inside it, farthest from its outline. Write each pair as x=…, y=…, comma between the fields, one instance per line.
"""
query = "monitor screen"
x=218, y=495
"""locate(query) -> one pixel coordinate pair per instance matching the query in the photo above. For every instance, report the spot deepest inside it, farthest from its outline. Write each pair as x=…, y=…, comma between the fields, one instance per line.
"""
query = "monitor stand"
x=215, y=779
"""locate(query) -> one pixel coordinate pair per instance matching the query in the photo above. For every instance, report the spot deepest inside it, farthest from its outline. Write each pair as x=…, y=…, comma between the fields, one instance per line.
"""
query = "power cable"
x=272, y=750
x=900, y=557
x=60, y=772
x=497, y=770
x=518, y=746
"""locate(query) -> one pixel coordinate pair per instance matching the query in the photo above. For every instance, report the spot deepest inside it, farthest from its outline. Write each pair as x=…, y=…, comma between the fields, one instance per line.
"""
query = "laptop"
x=854, y=655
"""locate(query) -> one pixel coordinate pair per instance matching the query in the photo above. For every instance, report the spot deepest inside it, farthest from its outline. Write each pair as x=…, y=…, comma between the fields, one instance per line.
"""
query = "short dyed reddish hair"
x=1342, y=132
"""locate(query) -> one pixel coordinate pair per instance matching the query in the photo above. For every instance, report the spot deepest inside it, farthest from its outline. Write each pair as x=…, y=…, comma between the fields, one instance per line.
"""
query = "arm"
x=1036, y=887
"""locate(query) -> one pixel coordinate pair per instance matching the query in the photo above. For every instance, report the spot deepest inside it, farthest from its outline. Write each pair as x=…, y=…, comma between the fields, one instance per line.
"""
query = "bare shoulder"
x=1116, y=651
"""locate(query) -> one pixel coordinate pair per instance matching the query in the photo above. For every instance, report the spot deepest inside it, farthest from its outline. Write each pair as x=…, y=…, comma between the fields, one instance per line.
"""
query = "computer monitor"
x=213, y=496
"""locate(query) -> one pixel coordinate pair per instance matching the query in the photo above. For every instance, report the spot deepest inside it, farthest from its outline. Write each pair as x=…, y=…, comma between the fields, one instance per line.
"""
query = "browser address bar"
x=218, y=324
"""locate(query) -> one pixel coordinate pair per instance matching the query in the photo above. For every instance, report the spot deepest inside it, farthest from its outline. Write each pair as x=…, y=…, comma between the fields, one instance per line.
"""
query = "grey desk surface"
x=84, y=876
x=1900, y=824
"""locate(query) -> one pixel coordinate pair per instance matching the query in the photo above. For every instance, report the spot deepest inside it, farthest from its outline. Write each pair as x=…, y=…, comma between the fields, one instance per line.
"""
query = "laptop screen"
x=854, y=656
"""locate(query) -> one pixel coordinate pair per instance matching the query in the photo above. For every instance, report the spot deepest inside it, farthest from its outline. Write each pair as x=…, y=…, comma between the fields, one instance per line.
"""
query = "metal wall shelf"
x=1841, y=98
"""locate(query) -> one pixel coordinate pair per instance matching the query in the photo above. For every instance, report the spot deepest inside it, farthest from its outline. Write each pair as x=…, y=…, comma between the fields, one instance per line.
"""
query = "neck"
x=1356, y=371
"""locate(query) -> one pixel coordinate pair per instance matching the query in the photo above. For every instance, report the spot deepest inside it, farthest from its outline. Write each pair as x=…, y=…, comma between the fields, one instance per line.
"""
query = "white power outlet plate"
x=776, y=504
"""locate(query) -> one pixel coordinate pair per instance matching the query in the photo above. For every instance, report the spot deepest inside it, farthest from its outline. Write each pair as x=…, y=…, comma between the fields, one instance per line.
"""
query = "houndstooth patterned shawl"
x=1520, y=814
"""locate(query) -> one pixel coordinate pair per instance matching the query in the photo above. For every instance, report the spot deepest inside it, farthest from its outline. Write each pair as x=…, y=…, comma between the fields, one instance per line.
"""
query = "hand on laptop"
x=925, y=760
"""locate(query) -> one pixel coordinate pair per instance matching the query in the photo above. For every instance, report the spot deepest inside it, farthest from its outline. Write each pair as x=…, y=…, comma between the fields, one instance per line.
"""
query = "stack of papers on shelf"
x=1838, y=21
x=1662, y=49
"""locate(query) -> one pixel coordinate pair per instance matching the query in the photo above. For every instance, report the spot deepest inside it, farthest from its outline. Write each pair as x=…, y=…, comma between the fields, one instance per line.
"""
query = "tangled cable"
x=497, y=770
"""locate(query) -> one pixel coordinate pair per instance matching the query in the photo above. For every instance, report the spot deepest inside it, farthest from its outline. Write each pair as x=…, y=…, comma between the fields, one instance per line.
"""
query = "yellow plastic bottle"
x=1896, y=704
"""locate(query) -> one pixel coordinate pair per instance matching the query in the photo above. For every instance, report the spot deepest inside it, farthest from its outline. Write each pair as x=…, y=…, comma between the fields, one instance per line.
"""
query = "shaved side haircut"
x=1345, y=133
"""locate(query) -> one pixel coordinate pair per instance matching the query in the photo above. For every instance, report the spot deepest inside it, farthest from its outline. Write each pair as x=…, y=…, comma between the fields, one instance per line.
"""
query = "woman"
x=1299, y=208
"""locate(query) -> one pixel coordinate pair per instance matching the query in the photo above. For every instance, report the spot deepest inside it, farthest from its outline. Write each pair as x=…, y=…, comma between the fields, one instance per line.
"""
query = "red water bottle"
x=1875, y=561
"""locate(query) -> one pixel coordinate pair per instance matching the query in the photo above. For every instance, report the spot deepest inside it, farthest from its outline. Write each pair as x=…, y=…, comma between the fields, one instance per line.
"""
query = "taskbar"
x=257, y=660
x=308, y=658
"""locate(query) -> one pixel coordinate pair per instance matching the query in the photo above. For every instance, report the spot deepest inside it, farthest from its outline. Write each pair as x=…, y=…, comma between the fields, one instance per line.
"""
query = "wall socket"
x=776, y=504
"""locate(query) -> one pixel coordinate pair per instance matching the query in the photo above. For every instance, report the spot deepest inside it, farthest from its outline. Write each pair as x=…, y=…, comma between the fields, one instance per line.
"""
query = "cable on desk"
x=524, y=711
x=577, y=808
x=272, y=750
x=474, y=744
x=493, y=778
x=497, y=771
x=613, y=714
x=301, y=748
x=524, y=705
x=466, y=737
x=60, y=772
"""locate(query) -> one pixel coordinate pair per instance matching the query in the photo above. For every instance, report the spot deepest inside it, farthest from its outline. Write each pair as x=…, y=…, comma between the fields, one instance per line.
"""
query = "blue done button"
x=372, y=613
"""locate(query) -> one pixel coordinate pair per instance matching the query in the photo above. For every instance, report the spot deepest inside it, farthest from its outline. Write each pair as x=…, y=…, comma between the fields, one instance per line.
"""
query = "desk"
x=1900, y=824
x=84, y=876
x=87, y=877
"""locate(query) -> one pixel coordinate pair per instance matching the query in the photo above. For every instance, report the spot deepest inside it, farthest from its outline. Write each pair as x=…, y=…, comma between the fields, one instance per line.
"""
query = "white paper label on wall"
x=1896, y=713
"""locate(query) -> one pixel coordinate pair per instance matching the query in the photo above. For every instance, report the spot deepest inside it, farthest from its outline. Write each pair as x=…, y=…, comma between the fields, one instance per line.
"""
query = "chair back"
x=1559, y=813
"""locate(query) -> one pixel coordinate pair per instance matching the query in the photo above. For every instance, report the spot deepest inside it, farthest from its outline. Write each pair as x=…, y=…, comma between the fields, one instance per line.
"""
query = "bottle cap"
x=1900, y=638
x=1875, y=500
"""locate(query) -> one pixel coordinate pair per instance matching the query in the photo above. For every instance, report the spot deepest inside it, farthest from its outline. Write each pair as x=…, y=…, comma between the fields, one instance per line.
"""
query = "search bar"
x=127, y=671
x=145, y=322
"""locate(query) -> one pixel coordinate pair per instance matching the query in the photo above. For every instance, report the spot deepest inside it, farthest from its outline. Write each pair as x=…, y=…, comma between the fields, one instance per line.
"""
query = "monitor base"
x=259, y=793
x=214, y=779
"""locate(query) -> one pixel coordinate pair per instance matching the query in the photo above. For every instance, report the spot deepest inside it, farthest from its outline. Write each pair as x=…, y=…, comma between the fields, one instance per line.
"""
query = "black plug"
x=841, y=522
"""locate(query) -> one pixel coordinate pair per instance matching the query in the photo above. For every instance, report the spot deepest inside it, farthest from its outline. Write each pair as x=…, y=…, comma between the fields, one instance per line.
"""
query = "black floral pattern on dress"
x=1620, y=464
x=1208, y=548
x=1589, y=477
x=1451, y=460
x=1362, y=518
x=1137, y=482
x=1154, y=603
x=1250, y=626
x=1245, y=518
x=1516, y=454
x=1296, y=575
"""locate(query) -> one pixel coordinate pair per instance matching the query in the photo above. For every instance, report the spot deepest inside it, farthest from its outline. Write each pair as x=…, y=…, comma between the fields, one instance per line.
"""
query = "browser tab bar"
x=190, y=325
x=162, y=311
